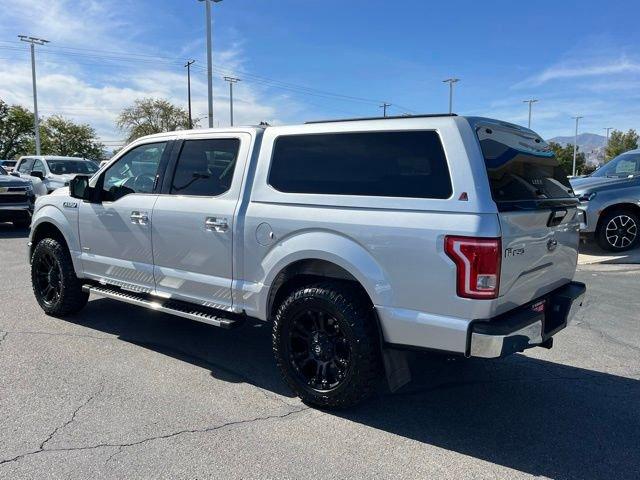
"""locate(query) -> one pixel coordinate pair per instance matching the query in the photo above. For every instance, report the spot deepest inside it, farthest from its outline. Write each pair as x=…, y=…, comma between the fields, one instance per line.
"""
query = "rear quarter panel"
x=393, y=246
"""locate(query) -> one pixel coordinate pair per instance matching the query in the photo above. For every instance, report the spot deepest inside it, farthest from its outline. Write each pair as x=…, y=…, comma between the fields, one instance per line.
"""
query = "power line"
x=98, y=57
x=168, y=61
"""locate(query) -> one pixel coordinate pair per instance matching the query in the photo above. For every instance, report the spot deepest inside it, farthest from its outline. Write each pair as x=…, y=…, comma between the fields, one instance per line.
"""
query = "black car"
x=16, y=200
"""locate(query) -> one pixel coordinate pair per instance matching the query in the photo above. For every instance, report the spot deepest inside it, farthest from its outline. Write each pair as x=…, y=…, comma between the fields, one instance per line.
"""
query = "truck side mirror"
x=79, y=188
x=37, y=174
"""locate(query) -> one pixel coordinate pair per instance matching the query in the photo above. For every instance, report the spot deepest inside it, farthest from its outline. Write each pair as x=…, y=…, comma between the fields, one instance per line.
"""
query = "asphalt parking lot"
x=121, y=392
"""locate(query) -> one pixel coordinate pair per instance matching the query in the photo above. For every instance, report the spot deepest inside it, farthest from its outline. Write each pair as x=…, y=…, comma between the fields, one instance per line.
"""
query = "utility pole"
x=209, y=59
x=384, y=108
x=451, y=81
x=531, y=101
x=575, y=145
x=188, y=65
x=231, y=81
x=33, y=41
x=604, y=152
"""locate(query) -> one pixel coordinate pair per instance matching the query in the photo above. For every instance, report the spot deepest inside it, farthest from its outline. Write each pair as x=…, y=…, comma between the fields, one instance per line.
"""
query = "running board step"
x=207, y=315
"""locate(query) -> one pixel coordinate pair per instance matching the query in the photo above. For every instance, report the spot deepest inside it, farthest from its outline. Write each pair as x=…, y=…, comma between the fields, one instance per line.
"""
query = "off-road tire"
x=355, y=317
x=71, y=298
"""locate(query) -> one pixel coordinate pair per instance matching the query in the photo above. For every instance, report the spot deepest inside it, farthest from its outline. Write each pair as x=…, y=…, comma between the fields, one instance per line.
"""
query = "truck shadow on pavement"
x=534, y=416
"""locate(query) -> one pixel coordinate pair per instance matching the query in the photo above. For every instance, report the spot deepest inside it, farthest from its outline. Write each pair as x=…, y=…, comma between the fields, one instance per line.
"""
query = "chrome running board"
x=172, y=307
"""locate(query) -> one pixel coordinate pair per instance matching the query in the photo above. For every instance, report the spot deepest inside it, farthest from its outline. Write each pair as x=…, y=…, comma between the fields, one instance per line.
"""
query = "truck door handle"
x=139, y=218
x=216, y=224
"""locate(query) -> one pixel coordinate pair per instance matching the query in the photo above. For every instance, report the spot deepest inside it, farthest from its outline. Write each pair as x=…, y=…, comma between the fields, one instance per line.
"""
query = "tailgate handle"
x=556, y=217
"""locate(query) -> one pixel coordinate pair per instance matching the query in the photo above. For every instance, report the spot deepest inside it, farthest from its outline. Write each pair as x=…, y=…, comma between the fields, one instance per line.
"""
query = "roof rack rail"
x=425, y=115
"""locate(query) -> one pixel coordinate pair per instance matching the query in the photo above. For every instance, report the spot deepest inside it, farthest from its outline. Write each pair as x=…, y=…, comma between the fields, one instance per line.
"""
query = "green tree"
x=61, y=136
x=564, y=154
x=16, y=130
x=620, y=142
x=152, y=115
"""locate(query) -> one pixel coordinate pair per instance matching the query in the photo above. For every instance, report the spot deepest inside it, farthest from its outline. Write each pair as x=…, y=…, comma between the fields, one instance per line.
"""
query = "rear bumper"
x=523, y=327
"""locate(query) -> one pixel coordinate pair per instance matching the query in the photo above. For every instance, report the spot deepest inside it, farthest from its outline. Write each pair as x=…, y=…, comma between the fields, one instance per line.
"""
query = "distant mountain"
x=591, y=144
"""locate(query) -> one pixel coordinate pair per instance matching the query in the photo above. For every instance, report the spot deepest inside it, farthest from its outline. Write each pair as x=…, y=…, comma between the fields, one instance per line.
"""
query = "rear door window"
x=205, y=167
x=385, y=164
x=523, y=171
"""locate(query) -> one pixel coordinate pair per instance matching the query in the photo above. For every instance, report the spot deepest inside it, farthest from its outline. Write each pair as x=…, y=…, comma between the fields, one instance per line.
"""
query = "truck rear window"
x=523, y=171
x=386, y=164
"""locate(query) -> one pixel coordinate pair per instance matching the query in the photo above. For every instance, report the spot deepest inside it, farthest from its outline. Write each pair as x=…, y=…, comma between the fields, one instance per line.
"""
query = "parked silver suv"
x=356, y=239
x=610, y=202
x=53, y=171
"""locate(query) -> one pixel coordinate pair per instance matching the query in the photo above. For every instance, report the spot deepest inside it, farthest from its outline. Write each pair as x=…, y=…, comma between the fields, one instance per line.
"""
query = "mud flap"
x=396, y=368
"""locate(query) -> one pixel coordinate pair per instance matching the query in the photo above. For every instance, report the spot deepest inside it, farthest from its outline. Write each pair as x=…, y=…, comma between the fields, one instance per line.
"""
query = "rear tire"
x=618, y=231
x=55, y=284
x=326, y=345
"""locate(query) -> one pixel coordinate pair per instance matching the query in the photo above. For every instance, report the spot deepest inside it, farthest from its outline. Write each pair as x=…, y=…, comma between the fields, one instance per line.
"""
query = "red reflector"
x=538, y=307
x=477, y=263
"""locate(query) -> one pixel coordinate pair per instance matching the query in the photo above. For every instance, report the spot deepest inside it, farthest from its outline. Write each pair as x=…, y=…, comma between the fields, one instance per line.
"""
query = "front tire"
x=618, y=231
x=326, y=345
x=55, y=284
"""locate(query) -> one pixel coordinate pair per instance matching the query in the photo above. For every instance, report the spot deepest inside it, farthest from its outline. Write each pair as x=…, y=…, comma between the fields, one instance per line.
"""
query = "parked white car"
x=55, y=172
x=356, y=239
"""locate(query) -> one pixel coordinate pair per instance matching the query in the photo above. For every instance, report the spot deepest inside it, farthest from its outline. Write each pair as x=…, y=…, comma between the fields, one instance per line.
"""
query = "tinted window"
x=38, y=166
x=25, y=165
x=60, y=167
x=386, y=164
x=205, y=167
x=134, y=172
x=621, y=166
x=8, y=163
x=3, y=171
x=521, y=168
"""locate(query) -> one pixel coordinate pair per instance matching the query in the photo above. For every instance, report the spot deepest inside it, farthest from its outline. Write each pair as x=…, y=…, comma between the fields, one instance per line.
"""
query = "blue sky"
x=575, y=57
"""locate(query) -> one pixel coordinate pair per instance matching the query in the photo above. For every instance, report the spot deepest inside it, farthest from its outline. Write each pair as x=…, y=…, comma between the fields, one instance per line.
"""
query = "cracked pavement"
x=121, y=392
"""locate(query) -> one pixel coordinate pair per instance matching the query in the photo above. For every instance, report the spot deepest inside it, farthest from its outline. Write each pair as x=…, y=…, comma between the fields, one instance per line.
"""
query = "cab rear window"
x=522, y=169
x=386, y=164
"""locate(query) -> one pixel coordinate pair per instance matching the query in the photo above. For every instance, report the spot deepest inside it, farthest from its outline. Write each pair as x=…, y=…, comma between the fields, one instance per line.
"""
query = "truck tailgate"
x=538, y=255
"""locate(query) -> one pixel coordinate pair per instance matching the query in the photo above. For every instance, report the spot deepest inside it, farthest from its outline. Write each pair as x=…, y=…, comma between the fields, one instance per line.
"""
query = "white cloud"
x=572, y=70
x=94, y=91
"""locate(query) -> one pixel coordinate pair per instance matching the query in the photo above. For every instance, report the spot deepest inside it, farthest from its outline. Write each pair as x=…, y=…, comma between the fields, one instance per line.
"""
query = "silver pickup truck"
x=357, y=239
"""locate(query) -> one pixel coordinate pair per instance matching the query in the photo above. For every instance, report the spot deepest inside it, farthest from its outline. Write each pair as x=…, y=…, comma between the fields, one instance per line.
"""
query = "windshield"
x=3, y=171
x=523, y=171
x=8, y=163
x=625, y=165
x=61, y=167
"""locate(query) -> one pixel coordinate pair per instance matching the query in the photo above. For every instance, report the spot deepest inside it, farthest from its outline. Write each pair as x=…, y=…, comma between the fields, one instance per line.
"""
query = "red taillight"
x=478, y=265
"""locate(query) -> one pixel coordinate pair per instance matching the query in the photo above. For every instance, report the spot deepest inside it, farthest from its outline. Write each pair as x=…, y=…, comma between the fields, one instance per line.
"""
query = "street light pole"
x=575, y=145
x=188, y=65
x=531, y=101
x=231, y=81
x=33, y=41
x=604, y=154
x=209, y=59
x=451, y=81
